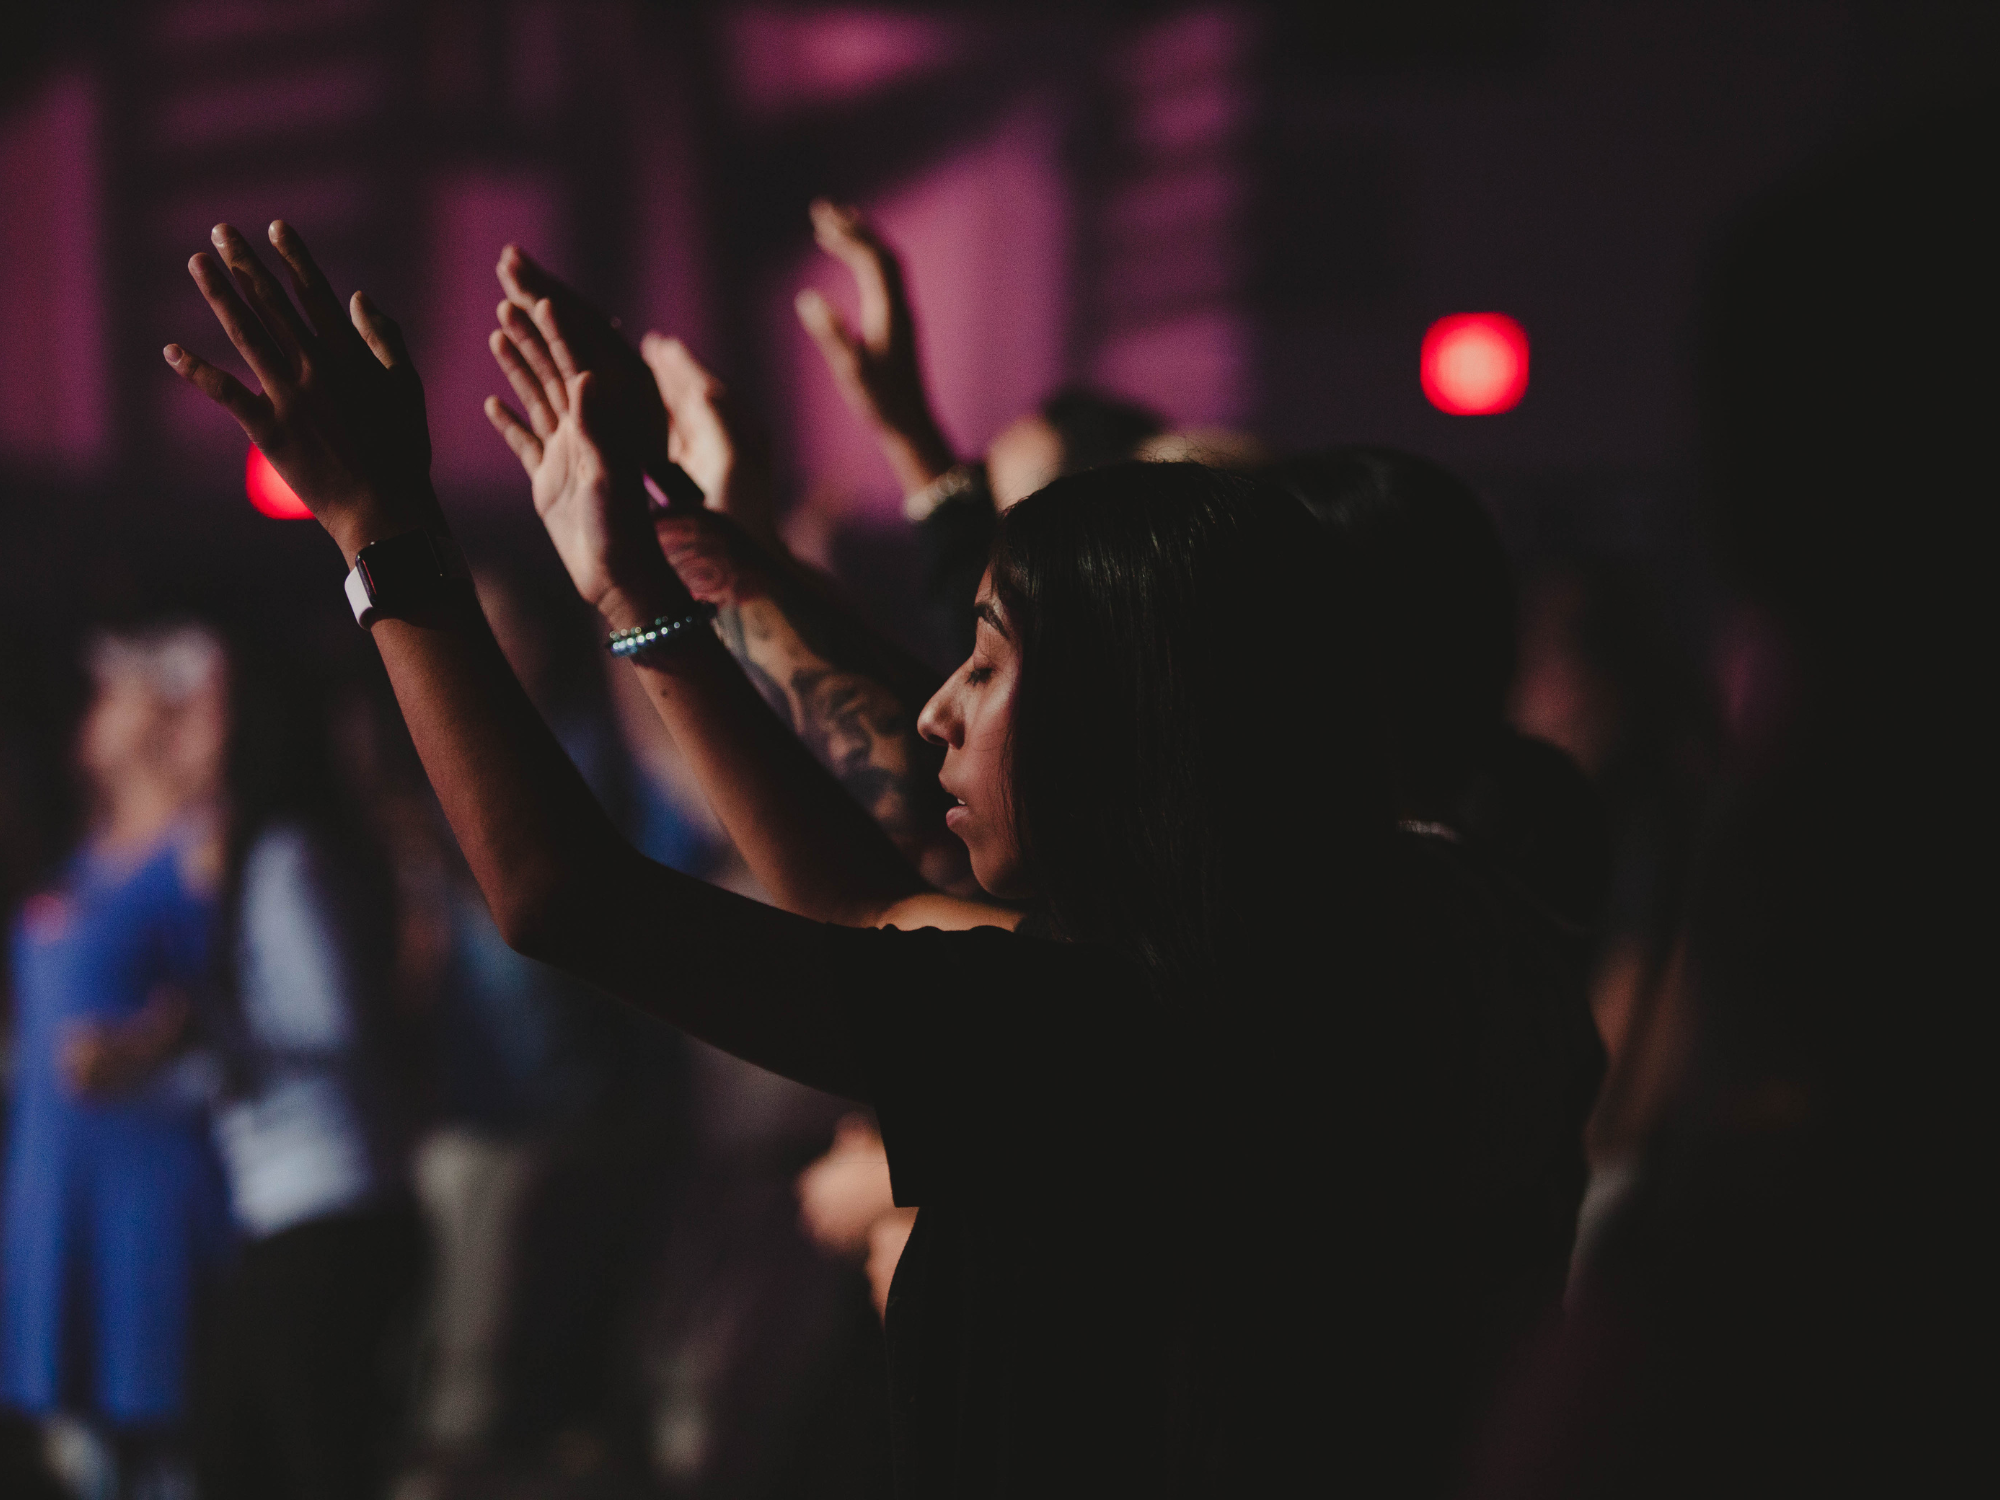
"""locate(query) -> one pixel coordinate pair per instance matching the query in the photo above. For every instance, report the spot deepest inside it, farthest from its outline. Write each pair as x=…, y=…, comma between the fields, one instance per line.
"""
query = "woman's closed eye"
x=976, y=675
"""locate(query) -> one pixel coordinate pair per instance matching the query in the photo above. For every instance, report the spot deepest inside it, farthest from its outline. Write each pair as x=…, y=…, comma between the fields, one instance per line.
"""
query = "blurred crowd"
x=293, y=1131
x=314, y=1186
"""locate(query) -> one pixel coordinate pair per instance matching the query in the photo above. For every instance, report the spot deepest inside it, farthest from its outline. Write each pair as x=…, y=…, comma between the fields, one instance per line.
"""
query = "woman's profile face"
x=969, y=716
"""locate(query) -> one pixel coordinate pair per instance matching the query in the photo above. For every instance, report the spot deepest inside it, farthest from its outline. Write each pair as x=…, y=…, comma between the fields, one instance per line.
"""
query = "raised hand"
x=631, y=403
x=586, y=485
x=711, y=440
x=876, y=365
x=341, y=412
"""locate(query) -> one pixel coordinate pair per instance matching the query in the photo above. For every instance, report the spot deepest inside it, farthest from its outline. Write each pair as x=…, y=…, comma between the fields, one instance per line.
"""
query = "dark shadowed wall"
x=1246, y=215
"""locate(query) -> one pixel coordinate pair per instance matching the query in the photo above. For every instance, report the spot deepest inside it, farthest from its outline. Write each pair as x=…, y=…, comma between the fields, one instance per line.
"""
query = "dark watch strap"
x=403, y=573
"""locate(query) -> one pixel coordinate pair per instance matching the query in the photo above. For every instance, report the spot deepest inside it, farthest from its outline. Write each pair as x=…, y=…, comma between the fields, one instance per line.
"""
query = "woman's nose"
x=939, y=722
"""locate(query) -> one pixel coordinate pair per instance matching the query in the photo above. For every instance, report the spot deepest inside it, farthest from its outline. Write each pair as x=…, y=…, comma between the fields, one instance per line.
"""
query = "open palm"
x=591, y=503
x=631, y=404
x=341, y=410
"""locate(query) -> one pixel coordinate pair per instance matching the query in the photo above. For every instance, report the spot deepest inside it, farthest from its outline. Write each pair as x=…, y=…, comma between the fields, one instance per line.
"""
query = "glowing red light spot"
x=268, y=491
x=1475, y=364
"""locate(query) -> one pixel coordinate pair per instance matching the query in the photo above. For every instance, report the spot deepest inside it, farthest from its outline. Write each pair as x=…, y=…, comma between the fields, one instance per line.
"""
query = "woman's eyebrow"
x=988, y=611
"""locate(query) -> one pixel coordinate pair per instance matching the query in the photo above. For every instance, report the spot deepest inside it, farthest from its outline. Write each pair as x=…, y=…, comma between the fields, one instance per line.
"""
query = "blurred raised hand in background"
x=875, y=362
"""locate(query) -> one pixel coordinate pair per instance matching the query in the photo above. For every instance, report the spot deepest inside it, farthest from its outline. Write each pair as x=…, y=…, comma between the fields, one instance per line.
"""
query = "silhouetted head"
x=1844, y=403
x=1095, y=429
x=1159, y=732
x=1844, y=391
x=1435, y=601
x=1073, y=430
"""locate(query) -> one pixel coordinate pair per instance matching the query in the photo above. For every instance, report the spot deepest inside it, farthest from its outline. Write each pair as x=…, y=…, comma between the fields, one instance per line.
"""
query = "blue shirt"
x=113, y=1209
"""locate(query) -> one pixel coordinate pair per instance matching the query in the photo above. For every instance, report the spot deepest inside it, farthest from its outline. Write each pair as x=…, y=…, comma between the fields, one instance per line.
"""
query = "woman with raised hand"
x=1206, y=1165
x=850, y=694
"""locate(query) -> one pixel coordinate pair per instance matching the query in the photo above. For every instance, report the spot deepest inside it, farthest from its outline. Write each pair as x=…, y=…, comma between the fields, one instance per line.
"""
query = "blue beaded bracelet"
x=661, y=632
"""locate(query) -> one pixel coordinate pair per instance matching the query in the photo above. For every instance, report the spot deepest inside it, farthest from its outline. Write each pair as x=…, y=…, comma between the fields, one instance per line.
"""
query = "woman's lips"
x=954, y=817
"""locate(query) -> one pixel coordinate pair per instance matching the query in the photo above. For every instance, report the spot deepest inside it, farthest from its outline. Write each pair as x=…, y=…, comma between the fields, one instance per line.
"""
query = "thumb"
x=694, y=412
x=383, y=334
x=836, y=344
x=521, y=279
x=679, y=376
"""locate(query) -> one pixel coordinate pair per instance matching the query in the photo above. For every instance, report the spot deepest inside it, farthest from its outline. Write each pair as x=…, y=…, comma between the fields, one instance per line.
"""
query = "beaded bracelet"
x=661, y=632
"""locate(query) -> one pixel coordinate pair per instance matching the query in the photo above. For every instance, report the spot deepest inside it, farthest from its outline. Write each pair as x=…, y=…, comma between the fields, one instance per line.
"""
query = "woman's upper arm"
x=762, y=984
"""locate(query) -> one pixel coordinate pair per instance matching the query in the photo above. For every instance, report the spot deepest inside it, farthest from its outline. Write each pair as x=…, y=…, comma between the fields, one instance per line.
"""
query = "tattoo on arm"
x=852, y=698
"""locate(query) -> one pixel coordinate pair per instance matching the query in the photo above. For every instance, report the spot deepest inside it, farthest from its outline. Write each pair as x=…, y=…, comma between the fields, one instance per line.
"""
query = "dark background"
x=1245, y=215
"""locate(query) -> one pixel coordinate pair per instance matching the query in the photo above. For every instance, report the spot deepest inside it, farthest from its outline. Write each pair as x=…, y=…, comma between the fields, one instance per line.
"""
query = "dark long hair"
x=1191, y=750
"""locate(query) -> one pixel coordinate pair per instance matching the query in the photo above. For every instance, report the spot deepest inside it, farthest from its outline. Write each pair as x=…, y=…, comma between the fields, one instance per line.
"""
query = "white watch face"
x=358, y=598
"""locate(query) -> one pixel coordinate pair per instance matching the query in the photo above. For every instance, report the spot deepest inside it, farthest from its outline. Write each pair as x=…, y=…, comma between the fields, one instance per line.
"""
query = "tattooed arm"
x=851, y=696
x=817, y=856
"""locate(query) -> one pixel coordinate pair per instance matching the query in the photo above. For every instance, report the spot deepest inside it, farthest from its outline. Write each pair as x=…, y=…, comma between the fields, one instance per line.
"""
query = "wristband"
x=392, y=577
x=662, y=632
x=949, y=485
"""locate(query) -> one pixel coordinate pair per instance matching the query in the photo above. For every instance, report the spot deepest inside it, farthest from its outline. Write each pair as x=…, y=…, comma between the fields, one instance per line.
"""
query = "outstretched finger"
x=527, y=281
x=316, y=296
x=260, y=288
x=878, y=276
x=244, y=328
x=836, y=345
x=552, y=331
x=526, y=446
x=382, y=333
x=678, y=374
x=520, y=277
x=695, y=400
x=534, y=349
x=526, y=387
x=252, y=412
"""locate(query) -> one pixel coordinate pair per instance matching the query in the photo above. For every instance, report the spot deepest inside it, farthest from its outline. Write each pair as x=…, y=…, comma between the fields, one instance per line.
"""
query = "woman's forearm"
x=809, y=843
x=533, y=834
x=341, y=415
x=566, y=888
x=916, y=450
x=850, y=695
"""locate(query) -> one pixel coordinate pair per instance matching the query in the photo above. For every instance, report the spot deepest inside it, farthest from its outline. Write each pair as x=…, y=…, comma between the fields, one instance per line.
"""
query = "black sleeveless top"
x=1163, y=1252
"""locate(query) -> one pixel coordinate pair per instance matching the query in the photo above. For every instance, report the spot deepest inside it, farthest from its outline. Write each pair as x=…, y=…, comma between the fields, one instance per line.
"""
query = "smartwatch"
x=399, y=574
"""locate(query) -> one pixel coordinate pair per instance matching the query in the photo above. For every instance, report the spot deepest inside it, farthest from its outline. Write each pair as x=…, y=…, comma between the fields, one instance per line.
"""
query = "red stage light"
x=268, y=491
x=1475, y=364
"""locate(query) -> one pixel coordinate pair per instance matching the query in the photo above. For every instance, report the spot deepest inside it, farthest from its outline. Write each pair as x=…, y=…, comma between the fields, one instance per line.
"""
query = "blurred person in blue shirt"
x=114, y=1206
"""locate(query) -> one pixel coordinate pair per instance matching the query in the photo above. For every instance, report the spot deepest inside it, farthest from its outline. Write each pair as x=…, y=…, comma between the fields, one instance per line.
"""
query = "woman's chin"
x=1001, y=879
